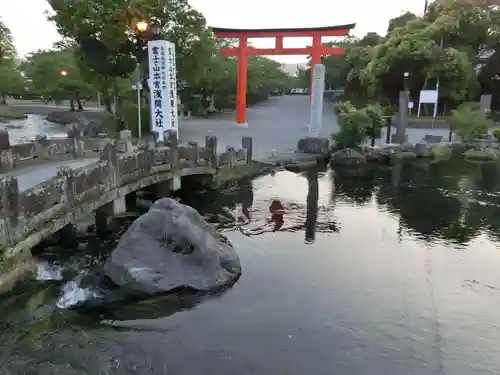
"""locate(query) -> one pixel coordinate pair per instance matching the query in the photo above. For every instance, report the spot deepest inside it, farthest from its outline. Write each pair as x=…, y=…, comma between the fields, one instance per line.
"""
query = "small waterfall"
x=73, y=294
x=46, y=272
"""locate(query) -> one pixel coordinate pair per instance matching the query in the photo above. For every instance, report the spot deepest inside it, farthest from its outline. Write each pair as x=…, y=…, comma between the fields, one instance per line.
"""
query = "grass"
x=7, y=116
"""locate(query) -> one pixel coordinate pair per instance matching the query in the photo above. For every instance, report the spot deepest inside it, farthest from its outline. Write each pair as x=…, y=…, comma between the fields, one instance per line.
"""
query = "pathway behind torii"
x=275, y=126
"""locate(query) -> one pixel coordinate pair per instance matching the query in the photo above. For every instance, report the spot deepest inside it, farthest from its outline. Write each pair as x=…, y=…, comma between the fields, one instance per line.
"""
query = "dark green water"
x=398, y=274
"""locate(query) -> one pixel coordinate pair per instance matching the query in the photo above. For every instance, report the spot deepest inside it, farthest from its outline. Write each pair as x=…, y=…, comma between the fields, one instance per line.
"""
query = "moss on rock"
x=441, y=152
x=404, y=155
x=485, y=154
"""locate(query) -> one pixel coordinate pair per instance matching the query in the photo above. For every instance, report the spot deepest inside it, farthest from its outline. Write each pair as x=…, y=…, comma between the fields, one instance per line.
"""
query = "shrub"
x=353, y=127
x=472, y=106
x=374, y=130
x=496, y=133
x=358, y=124
x=129, y=116
x=343, y=107
x=468, y=123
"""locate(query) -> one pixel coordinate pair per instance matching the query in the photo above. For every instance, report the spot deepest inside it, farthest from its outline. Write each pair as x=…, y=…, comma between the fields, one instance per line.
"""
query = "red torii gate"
x=243, y=51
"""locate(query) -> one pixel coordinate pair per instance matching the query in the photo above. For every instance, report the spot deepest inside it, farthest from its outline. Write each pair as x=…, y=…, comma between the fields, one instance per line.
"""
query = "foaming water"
x=46, y=271
x=376, y=271
x=73, y=294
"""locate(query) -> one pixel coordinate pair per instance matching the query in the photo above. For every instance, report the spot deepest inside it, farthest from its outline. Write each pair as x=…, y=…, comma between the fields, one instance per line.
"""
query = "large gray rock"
x=347, y=156
x=172, y=246
x=376, y=154
x=422, y=150
x=314, y=145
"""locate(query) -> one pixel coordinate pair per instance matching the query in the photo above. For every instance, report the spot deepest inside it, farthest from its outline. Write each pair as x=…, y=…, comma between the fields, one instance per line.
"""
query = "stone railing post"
x=247, y=145
x=151, y=140
x=6, y=156
x=232, y=157
x=195, y=153
x=43, y=143
x=172, y=142
x=78, y=147
x=126, y=138
x=69, y=187
x=110, y=156
x=9, y=211
x=211, y=146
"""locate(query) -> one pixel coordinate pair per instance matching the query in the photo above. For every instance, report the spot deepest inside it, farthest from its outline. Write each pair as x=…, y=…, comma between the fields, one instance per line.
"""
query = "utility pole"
x=426, y=6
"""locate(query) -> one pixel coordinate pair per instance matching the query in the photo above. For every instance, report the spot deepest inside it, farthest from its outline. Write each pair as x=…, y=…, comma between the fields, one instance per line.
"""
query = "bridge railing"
x=47, y=207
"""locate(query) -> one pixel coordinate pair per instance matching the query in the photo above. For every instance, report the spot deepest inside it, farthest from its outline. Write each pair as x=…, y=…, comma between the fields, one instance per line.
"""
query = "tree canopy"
x=447, y=42
x=11, y=80
x=54, y=74
x=106, y=48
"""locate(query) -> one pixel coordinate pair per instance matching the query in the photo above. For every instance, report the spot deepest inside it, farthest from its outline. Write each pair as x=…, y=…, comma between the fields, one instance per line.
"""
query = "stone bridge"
x=93, y=174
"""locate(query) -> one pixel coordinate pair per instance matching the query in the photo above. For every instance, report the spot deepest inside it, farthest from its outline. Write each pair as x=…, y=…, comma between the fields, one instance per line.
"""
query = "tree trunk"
x=373, y=141
x=78, y=101
x=4, y=99
x=72, y=105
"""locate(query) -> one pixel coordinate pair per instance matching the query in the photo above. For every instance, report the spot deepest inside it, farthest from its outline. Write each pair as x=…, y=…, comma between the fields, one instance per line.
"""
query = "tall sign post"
x=404, y=99
x=317, y=93
x=163, y=87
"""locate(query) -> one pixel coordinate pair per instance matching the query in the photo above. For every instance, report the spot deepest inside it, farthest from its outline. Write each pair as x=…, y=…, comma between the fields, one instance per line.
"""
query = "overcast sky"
x=32, y=31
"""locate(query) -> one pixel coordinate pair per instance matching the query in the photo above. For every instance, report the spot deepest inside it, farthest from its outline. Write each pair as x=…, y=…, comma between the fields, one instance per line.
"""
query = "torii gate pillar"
x=242, y=51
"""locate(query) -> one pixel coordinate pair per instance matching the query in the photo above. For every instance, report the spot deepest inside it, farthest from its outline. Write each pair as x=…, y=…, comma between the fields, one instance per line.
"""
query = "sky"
x=31, y=30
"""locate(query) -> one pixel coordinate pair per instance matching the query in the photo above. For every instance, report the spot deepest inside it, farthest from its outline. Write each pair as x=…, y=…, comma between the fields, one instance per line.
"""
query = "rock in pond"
x=170, y=247
x=422, y=150
x=347, y=156
x=376, y=154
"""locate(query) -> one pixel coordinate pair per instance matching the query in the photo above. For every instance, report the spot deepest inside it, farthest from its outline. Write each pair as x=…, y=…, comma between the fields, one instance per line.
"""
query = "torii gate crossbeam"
x=242, y=51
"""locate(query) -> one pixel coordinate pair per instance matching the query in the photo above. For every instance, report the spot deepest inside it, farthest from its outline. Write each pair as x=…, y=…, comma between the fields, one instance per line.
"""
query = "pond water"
x=25, y=130
x=388, y=270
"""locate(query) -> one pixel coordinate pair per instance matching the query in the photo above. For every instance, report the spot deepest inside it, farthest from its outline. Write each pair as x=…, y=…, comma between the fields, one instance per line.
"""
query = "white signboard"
x=410, y=105
x=318, y=89
x=428, y=96
x=163, y=87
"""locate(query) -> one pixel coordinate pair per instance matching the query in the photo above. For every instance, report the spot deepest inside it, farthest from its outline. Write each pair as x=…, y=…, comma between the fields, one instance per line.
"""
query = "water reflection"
x=451, y=200
x=312, y=206
x=25, y=130
x=387, y=294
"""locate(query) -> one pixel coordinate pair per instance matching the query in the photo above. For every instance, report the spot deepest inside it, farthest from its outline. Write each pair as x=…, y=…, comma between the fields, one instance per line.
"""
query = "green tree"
x=11, y=81
x=7, y=49
x=108, y=44
x=54, y=74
